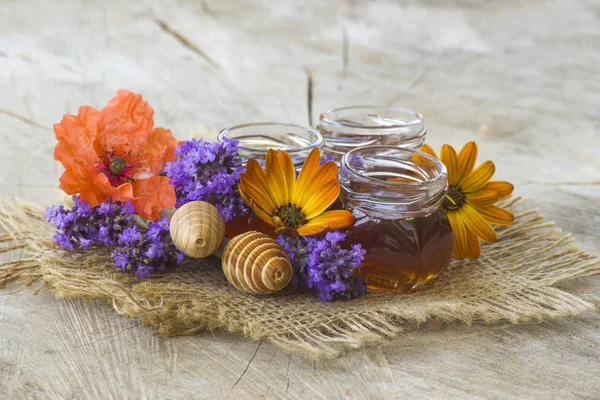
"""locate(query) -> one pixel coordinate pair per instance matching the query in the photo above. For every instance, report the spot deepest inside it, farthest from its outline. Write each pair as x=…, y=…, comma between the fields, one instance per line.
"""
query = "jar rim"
x=421, y=195
x=325, y=117
x=347, y=166
x=315, y=135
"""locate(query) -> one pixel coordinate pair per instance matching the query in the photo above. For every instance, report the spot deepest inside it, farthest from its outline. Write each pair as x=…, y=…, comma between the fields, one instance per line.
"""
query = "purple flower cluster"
x=323, y=265
x=144, y=253
x=83, y=226
x=208, y=171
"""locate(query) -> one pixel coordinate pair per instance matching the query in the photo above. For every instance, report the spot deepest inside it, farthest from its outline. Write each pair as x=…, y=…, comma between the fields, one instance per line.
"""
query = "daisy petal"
x=478, y=177
x=496, y=215
x=428, y=150
x=460, y=235
x=473, y=246
x=467, y=158
x=504, y=188
x=254, y=170
x=320, y=177
x=482, y=197
x=258, y=176
x=276, y=180
x=289, y=173
x=310, y=166
x=450, y=160
x=322, y=199
x=332, y=220
x=311, y=229
x=477, y=224
x=255, y=194
x=260, y=213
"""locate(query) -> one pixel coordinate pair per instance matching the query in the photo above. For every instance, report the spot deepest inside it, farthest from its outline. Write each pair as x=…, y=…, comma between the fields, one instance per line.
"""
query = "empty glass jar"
x=347, y=128
x=255, y=139
x=254, y=142
x=396, y=196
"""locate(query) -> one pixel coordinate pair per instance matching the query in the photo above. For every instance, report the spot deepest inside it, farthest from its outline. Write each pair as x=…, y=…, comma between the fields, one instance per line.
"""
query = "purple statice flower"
x=83, y=226
x=143, y=253
x=208, y=171
x=323, y=265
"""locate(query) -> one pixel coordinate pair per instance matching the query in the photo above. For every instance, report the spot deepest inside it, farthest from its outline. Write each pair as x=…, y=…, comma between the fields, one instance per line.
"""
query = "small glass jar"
x=254, y=142
x=255, y=139
x=396, y=196
x=346, y=128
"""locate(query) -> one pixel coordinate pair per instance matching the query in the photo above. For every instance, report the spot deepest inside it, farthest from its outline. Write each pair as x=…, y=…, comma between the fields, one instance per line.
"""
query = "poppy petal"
x=322, y=199
x=504, y=188
x=496, y=215
x=450, y=160
x=310, y=166
x=477, y=224
x=482, y=197
x=473, y=246
x=467, y=158
x=151, y=195
x=460, y=234
x=478, y=177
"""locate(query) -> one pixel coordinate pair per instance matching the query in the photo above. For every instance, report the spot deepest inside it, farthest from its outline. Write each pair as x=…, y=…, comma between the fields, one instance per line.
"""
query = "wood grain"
x=519, y=77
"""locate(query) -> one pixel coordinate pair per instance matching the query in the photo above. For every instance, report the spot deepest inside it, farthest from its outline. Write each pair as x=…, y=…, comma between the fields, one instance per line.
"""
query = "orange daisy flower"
x=470, y=200
x=294, y=204
x=116, y=153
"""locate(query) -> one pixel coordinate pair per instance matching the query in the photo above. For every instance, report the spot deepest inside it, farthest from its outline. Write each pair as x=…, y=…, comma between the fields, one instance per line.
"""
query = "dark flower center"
x=291, y=215
x=118, y=168
x=454, y=199
x=117, y=165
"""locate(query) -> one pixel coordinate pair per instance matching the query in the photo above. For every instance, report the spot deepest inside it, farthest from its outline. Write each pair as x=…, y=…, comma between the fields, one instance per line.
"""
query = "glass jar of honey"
x=396, y=196
x=347, y=128
x=254, y=141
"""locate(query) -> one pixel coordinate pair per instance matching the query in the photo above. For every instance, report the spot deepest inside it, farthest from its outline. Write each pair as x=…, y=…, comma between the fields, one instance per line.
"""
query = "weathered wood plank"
x=518, y=77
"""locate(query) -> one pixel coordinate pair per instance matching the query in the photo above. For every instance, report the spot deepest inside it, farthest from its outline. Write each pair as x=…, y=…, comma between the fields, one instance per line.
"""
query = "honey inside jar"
x=395, y=195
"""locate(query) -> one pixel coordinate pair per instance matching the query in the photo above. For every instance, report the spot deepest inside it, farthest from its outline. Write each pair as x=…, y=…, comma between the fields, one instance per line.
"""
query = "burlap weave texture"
x=514, y=280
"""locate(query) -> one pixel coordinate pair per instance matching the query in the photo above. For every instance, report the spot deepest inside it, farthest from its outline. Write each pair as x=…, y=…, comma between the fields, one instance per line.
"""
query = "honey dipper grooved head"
x=197, y=229
x=255, y=263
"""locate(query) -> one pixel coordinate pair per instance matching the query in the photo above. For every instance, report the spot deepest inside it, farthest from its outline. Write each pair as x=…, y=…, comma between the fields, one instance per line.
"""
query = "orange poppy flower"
x=291, y=204
x=116, y=153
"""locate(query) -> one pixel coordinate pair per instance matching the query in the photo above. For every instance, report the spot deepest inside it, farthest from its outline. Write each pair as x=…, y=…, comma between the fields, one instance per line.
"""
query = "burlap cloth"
x=514, y=280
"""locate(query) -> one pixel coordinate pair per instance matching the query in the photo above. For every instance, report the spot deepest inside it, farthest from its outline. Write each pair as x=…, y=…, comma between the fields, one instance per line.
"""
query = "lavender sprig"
x=83, y=226
x=208, y=171
x=147, y=252
x=322, y=264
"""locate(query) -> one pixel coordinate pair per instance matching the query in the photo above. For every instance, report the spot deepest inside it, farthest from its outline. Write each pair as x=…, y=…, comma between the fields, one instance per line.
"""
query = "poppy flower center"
x=454, y=198
x=119, y=169
x=291, y=215
x=117, y=165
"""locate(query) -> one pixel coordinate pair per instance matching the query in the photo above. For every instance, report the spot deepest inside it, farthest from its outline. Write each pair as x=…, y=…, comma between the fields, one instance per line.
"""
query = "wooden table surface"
x=519, y=77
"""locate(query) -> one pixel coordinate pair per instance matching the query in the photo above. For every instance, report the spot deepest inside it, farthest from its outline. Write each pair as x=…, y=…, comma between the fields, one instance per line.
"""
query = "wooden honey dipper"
x=252, y=262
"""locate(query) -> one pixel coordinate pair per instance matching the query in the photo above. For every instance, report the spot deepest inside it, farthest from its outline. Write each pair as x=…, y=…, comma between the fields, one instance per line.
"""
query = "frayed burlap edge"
x=515, y=280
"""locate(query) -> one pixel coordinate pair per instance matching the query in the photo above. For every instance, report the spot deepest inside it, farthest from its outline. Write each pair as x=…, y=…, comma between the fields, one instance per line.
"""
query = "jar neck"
x=347, y=128
x=254, y=140
x=390, y=182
